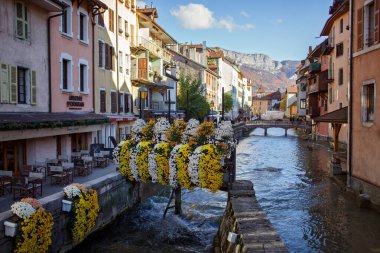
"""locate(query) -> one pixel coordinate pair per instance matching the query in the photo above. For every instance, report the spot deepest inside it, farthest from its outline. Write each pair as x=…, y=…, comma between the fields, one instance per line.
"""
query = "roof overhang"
x=344, y=8
x=48, y=5
x=155, y=29
x=338, y=117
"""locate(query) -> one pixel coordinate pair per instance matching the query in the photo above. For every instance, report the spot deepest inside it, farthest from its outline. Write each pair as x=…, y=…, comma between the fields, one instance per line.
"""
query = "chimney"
x=204, y=45
x=310, y=49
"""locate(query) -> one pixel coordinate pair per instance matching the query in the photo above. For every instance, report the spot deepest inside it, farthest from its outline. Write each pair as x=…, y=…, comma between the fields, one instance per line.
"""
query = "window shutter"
x=4, y=84
x=377, y=20
x=33, y=87
x=112, y=54
x=13, y=84
x=107, y=56
x=126, y=102
x=360, y=28
x=101, y=53
x=131, y=101
x=102, y=101
x=113, y=102
x=119, y=102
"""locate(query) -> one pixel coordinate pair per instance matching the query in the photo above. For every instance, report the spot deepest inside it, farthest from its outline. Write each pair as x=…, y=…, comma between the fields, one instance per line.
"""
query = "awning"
x=338, y=116
x=37, y=120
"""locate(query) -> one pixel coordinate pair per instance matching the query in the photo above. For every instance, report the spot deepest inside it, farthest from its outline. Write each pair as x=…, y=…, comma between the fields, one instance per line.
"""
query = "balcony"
x=327, y=47
x=321, y=85
x=155, y=47
x=315, y=67
x=141, y=74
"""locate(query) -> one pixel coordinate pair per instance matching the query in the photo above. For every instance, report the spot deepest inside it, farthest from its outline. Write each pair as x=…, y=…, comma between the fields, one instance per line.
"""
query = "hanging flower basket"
x=66, y=205
x=10, y=228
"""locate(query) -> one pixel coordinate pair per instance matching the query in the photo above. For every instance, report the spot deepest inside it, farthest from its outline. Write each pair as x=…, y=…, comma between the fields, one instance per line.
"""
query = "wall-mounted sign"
x=75, y=102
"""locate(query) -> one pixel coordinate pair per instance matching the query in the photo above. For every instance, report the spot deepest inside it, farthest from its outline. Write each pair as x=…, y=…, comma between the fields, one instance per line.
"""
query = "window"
x=370, y=23
x=22, y=84
x=368, y=102
x=21, y=21
x=113, y=102
x=66, y=73
x=340, y=76
x=331, y=70
x=120, y=62
x=83, y=25
x=340, y=105
x=120, y=24
x=100, y=19
x=126, y=102
x=102, y=101
x=127, y=64
x=121, y=102
x=126, y=29
x=331, y=95
x=341, y=25
x=339, y=49
x=109, y=55
x=83, y=76
x=303, y=104
x=111, y=25
x=102, y=54
x=66, y=21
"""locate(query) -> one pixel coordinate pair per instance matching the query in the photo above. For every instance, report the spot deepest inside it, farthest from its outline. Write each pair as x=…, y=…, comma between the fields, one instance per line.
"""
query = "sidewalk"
x=7, y=200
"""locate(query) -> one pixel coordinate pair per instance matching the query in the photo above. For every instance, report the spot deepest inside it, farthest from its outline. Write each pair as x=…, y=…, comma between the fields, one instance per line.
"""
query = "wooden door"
x=143, y=68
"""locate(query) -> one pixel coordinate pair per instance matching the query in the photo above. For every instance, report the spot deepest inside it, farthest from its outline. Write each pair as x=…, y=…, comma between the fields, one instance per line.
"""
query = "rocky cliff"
x=262, y=69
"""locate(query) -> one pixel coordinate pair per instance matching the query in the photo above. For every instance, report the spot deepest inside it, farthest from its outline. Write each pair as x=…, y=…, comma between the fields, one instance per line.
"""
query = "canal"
x=309, y=210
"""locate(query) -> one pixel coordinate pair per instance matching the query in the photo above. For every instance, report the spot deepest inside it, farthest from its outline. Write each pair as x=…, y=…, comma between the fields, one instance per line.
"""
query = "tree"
x=198, y=106
x=228, y=102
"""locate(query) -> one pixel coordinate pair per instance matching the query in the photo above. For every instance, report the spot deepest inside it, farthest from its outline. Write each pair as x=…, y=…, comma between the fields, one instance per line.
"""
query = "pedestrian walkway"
x=7, y=200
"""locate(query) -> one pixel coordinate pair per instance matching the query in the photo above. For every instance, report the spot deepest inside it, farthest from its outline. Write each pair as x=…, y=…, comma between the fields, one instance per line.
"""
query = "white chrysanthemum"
x=225, y=133
x=190, y=130
x=116, y=152
x=22, y=209
x=160, y=128
x=193, y=168
x=132, y=163
x=138, y=126
x=173, y=179
x=71, y=191
x=152, y=164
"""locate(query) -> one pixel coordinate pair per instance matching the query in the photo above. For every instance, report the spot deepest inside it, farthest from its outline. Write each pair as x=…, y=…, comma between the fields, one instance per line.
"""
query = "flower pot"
x=10, y=228
x=66, y=205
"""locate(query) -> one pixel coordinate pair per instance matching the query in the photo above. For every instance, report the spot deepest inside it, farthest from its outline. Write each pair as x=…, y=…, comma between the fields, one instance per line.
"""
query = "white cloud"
x=197, y=16
x=141, y=4
x=244, y=14
x=279, y=21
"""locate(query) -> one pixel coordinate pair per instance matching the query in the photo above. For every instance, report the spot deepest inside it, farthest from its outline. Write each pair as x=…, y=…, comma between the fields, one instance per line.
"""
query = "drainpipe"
x=93, y=64
x=49, y=49
x=350, y=89
x=117, y=57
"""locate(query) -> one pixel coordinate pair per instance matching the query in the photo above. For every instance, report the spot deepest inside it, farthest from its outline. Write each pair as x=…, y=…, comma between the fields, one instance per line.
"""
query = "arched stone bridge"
x=286, y=125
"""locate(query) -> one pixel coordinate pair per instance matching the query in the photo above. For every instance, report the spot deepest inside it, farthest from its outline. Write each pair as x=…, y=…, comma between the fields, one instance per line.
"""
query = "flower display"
x=205, y=134
x=125, y=156
x=136, y=129
x=193, y=166
x=34, y=203
x=175, y=132
x=116, y=152
x=132, y=163
x=224, y=138
x=210, y=171
x=71, y=191
x=152, y=164
x=160, y=128
x=86, y=210
x=35, y=233
x=142, y=160
x=191, y=130
x=173, y=177
x=162, y=160
x=182, y=165
x=147, y=133
x=22, y=210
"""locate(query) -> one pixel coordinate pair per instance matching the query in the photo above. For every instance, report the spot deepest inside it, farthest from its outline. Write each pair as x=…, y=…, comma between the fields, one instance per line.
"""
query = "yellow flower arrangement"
x=204, y=133
x=86, y=210
x=125, y=155
x=142, y=160
x=182, y=164
x=210, y=170
x=174, y=133
x=162, y=160
x=36, y=233
x=147, y=132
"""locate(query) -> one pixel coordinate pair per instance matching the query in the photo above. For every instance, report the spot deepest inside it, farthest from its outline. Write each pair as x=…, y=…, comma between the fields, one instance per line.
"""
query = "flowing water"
x=308, y=209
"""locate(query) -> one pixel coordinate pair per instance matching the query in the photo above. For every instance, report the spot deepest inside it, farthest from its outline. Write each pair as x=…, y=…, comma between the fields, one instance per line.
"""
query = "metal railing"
x=274, y=123
x=155, y=47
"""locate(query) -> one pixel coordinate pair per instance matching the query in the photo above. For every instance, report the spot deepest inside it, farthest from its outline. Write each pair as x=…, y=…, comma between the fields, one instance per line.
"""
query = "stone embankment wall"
x=245, y=217
x=115, y=196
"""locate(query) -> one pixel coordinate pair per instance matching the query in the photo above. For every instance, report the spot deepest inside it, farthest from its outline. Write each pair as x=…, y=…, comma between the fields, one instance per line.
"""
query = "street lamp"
x=143, y=93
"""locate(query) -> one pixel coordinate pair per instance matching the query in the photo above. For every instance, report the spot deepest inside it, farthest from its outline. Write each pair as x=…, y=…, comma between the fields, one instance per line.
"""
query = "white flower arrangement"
x=116, y=152
x=22, y=209
x=224, y=133
x=191, y=130
x=173, y=180
x=193, y=168
x=132, y=163
x=160, y=128
x=152, y=164
x=137, y=128
x=71, y=191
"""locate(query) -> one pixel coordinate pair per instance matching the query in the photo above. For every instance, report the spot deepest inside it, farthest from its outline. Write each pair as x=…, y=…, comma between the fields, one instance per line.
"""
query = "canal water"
x=308, y=209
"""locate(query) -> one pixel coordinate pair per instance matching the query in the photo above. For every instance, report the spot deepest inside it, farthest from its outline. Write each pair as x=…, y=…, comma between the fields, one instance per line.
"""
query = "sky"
x=282, y=29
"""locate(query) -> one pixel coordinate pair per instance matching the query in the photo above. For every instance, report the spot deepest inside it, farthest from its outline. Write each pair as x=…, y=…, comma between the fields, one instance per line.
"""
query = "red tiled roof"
x=260, y=89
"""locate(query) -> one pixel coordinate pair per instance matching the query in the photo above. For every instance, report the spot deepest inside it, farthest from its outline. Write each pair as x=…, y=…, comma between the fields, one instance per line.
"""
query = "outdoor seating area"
x=31, y=180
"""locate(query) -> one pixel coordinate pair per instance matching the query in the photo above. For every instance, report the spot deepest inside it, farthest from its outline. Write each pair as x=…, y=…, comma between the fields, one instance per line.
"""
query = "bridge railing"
x=274, y=123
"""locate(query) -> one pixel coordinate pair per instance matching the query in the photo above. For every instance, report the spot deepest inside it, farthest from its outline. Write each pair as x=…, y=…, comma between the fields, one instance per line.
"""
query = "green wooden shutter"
x=13, y=84
x=33, y=87
x=21, y=25
x=4, y=83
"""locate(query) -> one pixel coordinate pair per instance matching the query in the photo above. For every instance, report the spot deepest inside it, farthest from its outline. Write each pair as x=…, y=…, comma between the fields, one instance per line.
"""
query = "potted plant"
x=10, y=228
x=71, y=191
